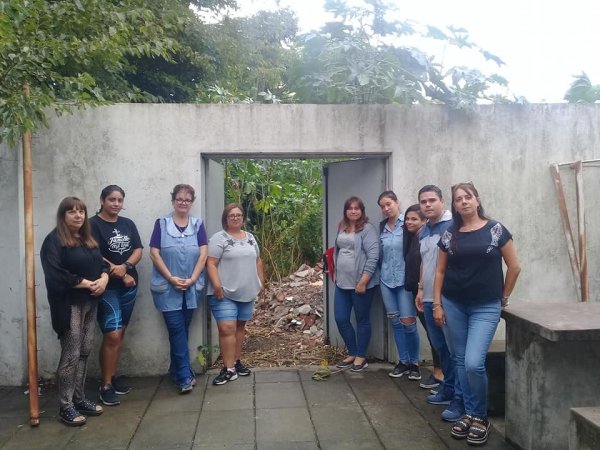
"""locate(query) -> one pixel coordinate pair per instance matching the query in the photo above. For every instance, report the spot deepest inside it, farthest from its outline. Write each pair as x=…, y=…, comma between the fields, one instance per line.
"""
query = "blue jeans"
x=442, y=342
x=472, y=326
x=178, y=324
x=399, y=304
x=344, y=301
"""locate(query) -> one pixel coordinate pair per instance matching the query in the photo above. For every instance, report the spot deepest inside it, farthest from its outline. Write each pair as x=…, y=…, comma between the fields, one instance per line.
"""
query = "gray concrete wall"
x=13, y=353
x=506, y=150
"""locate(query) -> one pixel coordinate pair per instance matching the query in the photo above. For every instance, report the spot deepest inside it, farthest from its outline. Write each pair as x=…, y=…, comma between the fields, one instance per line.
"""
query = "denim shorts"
x=227, y=309
x=115, y=308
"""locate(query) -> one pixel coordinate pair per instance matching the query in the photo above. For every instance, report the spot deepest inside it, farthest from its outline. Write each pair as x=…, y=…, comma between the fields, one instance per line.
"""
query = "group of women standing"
x=90, y=272
x=469, y=290
x=365, y=257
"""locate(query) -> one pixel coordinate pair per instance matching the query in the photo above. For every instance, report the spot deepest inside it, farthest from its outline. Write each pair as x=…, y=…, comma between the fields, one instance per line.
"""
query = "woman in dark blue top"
x=121, y=248
x=469, y=292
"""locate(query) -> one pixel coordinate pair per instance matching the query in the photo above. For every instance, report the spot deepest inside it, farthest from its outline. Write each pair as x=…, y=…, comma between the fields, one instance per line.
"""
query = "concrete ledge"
x=557, y=321
x=552, y=365
x=584, y=431
x=495, y=365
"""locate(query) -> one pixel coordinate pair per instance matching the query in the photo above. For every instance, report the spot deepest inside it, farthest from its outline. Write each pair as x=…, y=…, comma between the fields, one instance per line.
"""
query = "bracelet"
x=504, y=301
x=420, y=285
x=436, y=305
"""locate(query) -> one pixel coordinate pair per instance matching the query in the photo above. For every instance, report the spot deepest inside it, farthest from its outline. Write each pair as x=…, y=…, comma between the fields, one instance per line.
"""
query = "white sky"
x=543, y=43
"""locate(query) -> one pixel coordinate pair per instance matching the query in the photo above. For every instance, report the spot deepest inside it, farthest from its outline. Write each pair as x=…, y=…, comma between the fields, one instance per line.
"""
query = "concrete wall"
x=506, y=150
x=13, y=352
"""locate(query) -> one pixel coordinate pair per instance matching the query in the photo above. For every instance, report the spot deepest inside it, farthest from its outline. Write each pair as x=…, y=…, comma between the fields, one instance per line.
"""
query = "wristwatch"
x=128, y=266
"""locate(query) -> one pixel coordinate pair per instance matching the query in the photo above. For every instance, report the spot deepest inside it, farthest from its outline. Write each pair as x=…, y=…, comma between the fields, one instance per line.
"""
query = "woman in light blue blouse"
x=398, y=301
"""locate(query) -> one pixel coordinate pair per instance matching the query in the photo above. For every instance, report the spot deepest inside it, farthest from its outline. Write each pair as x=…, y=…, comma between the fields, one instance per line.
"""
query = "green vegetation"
x=283, y=203
x=63, y=54
x=583, y=91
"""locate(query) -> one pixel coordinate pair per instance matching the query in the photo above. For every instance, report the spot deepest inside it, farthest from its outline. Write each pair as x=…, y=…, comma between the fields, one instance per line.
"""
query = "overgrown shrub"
x=283, y=202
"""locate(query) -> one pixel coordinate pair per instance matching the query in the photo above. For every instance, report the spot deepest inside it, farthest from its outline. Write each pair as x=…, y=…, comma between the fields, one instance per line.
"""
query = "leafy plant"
x=360, y=58
x=582, y=90
x=283, y=203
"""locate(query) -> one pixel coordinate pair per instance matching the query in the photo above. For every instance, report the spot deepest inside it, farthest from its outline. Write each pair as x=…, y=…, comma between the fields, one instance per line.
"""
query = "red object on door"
x=330, y=262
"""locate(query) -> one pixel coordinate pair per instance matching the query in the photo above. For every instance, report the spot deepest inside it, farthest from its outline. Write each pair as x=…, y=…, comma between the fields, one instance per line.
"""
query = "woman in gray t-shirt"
x=236, y=277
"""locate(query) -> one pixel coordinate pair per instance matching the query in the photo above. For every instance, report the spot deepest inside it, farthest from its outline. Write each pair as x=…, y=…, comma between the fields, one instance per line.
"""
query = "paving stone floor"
x=270, y=409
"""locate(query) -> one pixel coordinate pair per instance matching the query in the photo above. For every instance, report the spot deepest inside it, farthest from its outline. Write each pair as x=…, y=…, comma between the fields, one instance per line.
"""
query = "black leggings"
x=434, y=354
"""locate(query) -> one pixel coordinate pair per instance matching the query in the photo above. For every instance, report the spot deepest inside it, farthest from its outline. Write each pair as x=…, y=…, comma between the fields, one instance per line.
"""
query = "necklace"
x=472, y=227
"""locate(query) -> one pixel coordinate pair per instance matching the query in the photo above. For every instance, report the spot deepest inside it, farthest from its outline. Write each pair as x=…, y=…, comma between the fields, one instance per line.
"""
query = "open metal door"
x=366, y=179
x=214, y=201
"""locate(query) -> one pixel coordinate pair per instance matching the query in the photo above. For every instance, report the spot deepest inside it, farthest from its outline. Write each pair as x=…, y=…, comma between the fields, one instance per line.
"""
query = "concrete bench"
x=495, y=365
x=584, y=433
x=552, y=365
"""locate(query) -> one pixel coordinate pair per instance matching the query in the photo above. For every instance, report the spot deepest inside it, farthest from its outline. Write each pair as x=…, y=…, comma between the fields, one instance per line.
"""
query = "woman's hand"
x=97, y=287
x=219, y=292
x=419, y=300
x=118, y=271
x=439, y=316
x=360, y=288
x=128, y=281
x=178, y=283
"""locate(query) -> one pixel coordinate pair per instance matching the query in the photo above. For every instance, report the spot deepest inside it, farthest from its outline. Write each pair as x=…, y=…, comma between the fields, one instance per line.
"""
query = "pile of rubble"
x=294, y=306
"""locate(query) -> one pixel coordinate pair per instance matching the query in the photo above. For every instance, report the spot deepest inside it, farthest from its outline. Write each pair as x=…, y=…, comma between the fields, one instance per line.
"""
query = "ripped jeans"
x=399, y=305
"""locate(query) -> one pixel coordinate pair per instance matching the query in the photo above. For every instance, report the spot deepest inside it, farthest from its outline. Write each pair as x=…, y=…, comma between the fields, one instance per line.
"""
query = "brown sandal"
x=460, y=428
x=479, y=431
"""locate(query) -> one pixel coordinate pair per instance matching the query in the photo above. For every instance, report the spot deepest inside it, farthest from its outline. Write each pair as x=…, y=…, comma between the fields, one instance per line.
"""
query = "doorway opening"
x=293, y=207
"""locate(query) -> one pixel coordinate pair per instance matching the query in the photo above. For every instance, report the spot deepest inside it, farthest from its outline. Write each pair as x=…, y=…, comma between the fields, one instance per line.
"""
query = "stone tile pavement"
x=271, y=409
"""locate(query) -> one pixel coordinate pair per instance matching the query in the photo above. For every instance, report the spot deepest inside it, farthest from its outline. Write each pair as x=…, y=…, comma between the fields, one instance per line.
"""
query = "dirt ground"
x=288, y=326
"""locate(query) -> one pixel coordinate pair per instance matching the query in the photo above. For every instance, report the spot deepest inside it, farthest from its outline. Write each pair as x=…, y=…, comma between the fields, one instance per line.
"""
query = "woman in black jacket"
x=413, y=222
x=76, y=276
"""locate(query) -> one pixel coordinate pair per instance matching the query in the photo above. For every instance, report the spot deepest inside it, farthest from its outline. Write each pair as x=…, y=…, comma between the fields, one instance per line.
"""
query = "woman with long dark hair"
x=398, y=302
x=414, y=220
x=76, y=277
x=469, y=291
x=121, y=248
x=356, y=254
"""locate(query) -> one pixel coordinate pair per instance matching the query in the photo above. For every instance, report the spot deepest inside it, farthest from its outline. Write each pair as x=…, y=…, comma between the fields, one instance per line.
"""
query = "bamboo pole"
x=32, y=363
x=583, y=269
x=564, y=215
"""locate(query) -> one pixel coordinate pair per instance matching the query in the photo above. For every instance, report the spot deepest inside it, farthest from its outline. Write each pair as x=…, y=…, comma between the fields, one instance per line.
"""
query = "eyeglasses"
x=235, y=216
x=183, y=201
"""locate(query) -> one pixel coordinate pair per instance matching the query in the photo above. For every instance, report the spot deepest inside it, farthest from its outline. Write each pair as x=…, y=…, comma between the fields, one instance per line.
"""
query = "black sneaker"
x=225, y=376
x=119, y=386
x=241, y=369
x=88, y=408
x=400, y=370
x=108, y=396
x=430, y=383
x=414, y=372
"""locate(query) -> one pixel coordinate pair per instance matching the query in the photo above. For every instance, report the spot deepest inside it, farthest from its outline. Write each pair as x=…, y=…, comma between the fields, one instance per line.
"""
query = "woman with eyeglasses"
x=469, y=291
x=178, y=249
x=236, y=276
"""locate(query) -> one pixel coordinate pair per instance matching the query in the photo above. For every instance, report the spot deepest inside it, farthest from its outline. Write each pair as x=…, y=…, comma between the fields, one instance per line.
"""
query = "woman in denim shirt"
x=178, y=249
x=356, y=275
x=398, y=301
